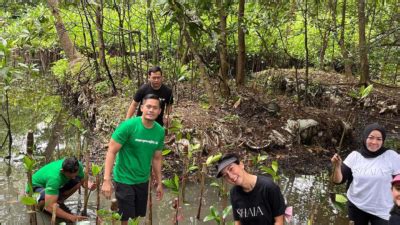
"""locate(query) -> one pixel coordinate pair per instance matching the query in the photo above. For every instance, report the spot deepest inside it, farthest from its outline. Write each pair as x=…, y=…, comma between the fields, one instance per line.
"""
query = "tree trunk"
x=100, y=38
x=65, y=41
x=306, y=47
x=223, y=55
x=195, y=52
x=153, y=32
x=364, y=66
x=345, y=54
x=54, y=138
x=202, y=67
x=241, y=58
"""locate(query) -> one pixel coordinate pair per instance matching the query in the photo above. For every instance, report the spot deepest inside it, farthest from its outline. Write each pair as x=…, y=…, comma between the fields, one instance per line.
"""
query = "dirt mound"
x=263, y=120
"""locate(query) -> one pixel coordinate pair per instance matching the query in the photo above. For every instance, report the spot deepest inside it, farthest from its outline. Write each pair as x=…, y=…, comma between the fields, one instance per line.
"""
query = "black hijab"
x=367, y=130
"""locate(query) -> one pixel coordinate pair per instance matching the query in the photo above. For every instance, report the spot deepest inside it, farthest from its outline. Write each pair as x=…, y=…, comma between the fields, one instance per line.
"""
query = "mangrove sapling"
x=256, y=161
x=86, y=192
x=273, y=170
x=218, y=217
x=150, y=200
x=223, y=193
x=107, y=216
x=202, y=179
x=173, y=185
x=359, y=95
x=185, y=153
x=29, y=200
x=96, y=169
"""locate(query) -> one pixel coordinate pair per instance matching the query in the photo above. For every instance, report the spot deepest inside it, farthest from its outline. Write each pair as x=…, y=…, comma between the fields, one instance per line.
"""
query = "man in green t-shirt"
x=57, y=181
x=135, y=146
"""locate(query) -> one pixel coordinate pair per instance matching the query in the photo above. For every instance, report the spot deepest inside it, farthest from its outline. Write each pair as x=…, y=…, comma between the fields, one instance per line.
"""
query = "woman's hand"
x=336, y=160
x=337, y=171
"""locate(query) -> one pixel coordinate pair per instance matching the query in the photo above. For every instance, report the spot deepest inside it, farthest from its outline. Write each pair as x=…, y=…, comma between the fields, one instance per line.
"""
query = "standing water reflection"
x=308, y=195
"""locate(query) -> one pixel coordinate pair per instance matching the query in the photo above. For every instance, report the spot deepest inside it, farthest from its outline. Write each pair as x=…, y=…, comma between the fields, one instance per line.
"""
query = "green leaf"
x=214, y=211
x=214, y=184
x=192, y=168
x=28, y=163
x=116, y=216
x=194, y=147
x=261, y=158
x=214, y=158
x=208, y=218
x=268, y=170
x=176, y=180
x=26, y=200
x=103, y=212
x=96, y=169
x=340, y=198
x=226, y=211
x=365, y=92
x=166, y=152
x=275, y=166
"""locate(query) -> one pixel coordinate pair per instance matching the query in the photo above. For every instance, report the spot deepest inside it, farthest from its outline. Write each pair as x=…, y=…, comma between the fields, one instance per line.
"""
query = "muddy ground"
x=249, y=121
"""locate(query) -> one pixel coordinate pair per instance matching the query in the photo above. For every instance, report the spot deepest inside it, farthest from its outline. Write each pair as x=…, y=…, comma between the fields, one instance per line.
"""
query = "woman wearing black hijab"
x=368, y=173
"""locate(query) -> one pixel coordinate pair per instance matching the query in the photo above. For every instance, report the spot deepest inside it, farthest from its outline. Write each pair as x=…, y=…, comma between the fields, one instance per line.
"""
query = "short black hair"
x=70, y=165
x=151, y=96
x=154, y=69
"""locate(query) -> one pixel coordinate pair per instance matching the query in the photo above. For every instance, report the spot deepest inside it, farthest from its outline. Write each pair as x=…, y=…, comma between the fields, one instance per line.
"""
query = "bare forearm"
x=110, y=158
x=60, y=213
x=337, y=175
x=279, y=220
x=168, y=110
x=131, y=110
x=157, y=161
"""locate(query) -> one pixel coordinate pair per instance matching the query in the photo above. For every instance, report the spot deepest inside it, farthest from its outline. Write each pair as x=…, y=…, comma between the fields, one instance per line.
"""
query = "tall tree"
x=223, y=52
x=184, y=23
x=363, y=46
x=65, y=42
x=241, y=56
x=154, y=40
x=345, y=53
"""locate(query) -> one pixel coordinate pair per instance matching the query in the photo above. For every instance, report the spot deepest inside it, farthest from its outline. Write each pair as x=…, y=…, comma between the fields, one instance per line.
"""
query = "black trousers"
x=363, y=218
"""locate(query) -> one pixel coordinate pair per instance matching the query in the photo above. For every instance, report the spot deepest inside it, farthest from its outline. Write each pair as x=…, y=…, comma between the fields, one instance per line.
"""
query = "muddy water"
x=308, y=195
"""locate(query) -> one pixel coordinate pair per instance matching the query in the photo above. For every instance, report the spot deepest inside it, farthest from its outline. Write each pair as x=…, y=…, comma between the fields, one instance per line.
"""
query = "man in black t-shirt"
x=155, y=86
x=256, y=200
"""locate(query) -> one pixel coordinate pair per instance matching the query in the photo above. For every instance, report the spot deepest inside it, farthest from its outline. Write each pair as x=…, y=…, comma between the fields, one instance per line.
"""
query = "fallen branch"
x=256, y=148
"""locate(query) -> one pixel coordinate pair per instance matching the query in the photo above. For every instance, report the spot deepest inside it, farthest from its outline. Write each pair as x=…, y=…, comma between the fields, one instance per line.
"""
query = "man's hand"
x=107, y=188
x=159, y=192
x=75, y=218
x=92, y=185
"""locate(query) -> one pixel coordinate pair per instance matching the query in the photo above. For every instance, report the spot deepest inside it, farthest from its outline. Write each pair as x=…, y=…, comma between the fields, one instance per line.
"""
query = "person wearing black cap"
x=368, y=173
x=256, y=200
x=395, y=212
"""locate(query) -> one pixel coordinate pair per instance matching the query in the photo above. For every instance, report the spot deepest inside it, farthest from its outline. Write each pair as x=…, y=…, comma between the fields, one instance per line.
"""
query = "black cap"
x=225, y=161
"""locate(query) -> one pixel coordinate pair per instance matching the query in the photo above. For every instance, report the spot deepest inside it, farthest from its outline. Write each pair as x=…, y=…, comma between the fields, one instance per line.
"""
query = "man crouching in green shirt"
x=134, y=146
x=57, y=181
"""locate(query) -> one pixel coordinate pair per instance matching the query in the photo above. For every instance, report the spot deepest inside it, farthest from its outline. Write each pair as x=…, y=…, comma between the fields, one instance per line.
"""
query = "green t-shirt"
x=51, y=178
x=138, y=147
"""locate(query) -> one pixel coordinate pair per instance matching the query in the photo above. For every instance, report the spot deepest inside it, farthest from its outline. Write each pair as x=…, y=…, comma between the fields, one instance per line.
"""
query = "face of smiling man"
x=151, y=109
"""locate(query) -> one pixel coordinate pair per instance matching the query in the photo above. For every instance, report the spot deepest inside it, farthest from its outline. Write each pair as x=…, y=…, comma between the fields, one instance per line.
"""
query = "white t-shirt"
x=370, y=189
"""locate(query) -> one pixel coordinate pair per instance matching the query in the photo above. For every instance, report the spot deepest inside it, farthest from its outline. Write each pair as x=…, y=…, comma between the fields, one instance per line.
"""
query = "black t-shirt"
x=164, y=93
x=394, y=218
x=259, y=206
